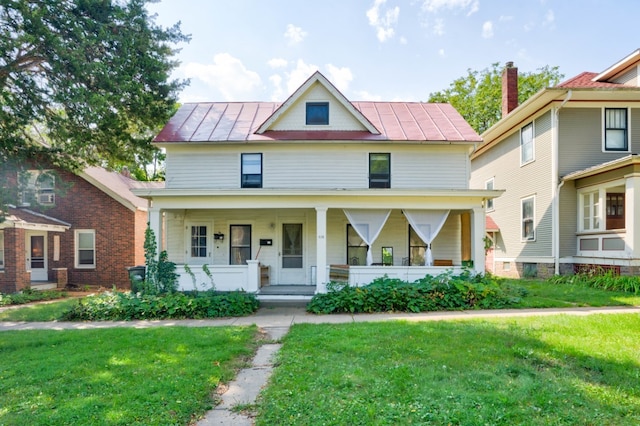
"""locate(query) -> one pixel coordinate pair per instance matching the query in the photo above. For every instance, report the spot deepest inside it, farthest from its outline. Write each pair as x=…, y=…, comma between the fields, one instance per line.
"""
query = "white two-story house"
x=317, y=188
x=568, y=161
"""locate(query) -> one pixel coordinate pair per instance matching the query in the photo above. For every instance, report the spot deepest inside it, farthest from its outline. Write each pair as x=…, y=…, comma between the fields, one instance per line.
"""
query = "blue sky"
x=388, y=50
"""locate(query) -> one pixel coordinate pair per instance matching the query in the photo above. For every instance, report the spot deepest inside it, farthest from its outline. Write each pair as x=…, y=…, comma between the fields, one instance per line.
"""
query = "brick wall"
x=14, y=278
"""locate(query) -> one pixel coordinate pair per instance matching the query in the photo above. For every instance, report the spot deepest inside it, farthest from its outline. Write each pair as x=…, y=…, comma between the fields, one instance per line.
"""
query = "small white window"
x=590, y=207
x=528, y=219
x=85, y=253
x=616, y=130
x=1, y=250
x=527, y=148
x=489, y=185
x=199, y=242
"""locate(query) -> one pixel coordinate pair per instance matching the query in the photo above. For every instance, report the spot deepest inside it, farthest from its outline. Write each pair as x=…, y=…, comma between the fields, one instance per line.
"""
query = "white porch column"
x=321, y=249
x=155, y=223
x=632, y=214
x=253, y=276
x=477, y=239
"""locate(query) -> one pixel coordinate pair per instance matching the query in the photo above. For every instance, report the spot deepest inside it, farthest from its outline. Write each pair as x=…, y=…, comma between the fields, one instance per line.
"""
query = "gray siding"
x=532, y=179
x=568, y=219
x=580, y=138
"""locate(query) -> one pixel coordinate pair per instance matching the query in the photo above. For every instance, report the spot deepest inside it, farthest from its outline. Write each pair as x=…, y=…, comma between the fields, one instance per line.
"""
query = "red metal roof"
x=585, y=80
x=238, y=121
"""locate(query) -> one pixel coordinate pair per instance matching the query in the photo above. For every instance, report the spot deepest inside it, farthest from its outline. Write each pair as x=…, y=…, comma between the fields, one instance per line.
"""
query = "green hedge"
x=431, y=293
x=117, y=306
x=29, y=295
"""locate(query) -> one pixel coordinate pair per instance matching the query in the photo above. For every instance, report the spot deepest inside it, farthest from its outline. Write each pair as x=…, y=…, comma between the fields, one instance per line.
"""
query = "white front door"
x=37, y=255
x=292, y=262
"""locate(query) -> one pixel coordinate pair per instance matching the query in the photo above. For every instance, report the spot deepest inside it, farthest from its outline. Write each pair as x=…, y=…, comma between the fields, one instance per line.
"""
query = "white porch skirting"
x=363, y=275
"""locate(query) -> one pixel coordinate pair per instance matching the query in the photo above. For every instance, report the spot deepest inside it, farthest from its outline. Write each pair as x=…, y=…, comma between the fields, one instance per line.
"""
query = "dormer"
x=625, y=71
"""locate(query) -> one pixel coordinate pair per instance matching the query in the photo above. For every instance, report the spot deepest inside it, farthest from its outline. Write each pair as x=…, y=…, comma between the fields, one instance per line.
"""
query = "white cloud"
x=294, y=34
x=505, y=18
x=438, y=27
x=487, y=29
x=441, y=52
x=549, y=19
x=340, y=77
x=299, y=75
x=471, y=6
x=363, y=95
x=278, y=94
x=277, y=63
x=384, y=24
x=403, y=40
x=226, y=74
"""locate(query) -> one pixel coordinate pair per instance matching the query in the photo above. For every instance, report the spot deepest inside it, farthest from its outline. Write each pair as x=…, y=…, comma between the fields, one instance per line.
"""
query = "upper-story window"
x=40, y=188
x=317, y=113
x=615, y=129
x=527, y=151
x=489, y=185
x=251, y=171
x=380, y=170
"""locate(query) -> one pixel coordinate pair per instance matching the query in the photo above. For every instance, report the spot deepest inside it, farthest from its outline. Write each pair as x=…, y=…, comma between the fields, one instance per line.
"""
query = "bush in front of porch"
x=431, y=293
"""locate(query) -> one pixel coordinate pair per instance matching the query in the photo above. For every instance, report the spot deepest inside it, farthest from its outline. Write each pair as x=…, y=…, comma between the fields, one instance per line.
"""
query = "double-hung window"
x=1, y=250
x=591, y=211
x=527, y=214
x=615, y=129
x=251, y=171
x=356, y=248
x=240, y=244
x=527, y=149
x=489, y=185
x=85, y=242
x=380, y=170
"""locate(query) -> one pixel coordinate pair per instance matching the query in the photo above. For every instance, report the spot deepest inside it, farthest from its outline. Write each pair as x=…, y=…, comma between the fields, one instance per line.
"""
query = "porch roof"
x=28, y=219
x=632, y=159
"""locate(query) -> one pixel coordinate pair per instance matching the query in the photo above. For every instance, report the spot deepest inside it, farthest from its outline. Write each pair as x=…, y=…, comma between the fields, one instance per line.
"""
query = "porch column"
x=477, y=239
x=321, y=249
x=632, y=216
x=253, y=276
x=155, y=223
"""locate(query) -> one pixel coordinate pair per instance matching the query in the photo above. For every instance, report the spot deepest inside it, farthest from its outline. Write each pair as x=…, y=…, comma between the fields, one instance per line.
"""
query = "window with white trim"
x=85, y=248
x=527, y=213
x=590, y=207
x=1, y=250
x=489, y=185
x=40, y=188
x=527, y=148
x=251, y=171
x=616, y=129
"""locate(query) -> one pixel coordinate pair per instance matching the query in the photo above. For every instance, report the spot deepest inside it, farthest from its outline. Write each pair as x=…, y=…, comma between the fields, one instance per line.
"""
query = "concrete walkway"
x=275, y=322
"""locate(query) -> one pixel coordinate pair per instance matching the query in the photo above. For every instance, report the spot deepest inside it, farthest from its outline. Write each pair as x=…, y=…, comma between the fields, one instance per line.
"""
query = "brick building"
x=82, y=229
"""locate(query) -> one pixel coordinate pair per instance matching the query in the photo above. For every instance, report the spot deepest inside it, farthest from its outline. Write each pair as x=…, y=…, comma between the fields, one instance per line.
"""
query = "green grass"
x=559, y=370
x=542, y=294
x=160, y=376
x=50, y=311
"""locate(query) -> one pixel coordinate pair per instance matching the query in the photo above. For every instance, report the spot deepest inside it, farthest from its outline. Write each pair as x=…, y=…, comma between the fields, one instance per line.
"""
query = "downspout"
x=556, y=184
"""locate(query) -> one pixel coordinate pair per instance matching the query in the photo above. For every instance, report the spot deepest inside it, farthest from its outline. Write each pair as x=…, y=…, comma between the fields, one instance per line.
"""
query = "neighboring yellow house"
x=317, y=188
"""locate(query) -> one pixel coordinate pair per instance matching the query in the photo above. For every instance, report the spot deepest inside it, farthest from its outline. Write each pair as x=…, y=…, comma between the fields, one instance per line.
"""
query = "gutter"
x=556, y=183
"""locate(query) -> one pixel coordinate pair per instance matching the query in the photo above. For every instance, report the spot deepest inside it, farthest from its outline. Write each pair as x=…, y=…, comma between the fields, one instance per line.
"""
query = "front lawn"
x=560, y=370
x=548, y=294
x=159, y=376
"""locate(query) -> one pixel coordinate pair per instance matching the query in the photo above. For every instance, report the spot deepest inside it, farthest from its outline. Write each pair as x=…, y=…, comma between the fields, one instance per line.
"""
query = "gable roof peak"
x=317, y=77
x=627, y=61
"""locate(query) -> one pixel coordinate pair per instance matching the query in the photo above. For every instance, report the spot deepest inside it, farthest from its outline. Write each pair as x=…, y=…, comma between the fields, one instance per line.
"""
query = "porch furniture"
x=443, y=262
x=264, y=275
x=339, y=273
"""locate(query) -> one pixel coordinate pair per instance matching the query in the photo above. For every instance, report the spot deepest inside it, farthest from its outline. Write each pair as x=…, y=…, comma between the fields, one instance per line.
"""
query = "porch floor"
x=288, y=290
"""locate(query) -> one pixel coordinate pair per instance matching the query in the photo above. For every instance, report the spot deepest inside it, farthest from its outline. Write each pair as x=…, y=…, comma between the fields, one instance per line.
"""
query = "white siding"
x=339, y=117
x=307, y=165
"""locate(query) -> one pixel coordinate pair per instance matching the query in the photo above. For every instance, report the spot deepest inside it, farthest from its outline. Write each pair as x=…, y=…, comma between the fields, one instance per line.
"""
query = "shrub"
x=602, y=279
x=431, y=293
x=116, y=306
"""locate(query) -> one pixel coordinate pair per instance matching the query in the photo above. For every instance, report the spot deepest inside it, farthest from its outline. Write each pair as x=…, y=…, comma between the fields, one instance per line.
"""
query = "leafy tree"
x=478, y=95
x=82, y=82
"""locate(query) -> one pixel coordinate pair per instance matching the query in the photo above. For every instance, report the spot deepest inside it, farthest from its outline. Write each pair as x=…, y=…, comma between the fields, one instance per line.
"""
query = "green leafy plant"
x=598, y=277
x=160, y=273
x=442, y=292
x=29, y=295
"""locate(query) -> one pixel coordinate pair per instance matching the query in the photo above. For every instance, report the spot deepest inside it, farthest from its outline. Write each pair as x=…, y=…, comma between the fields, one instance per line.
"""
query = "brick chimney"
x=509, y=89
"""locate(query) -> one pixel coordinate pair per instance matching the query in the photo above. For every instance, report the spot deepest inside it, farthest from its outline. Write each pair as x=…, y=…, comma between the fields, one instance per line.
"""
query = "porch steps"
x=285, y=295
x=43, y=285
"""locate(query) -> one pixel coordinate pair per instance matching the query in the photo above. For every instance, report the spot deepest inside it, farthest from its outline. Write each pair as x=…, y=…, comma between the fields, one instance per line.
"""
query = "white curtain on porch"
x=427, y=224
x=368, y=224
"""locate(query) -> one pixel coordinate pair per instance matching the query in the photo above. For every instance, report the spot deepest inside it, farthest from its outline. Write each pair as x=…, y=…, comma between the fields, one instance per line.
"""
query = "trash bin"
x=136, y=276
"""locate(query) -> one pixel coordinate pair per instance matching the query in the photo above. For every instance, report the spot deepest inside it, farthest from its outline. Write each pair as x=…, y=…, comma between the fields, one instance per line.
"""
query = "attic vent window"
x=317, y=113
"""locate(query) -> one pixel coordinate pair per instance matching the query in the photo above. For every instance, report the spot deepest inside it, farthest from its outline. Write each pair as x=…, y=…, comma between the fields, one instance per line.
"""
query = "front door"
x=37, y=255
x=291, y=254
